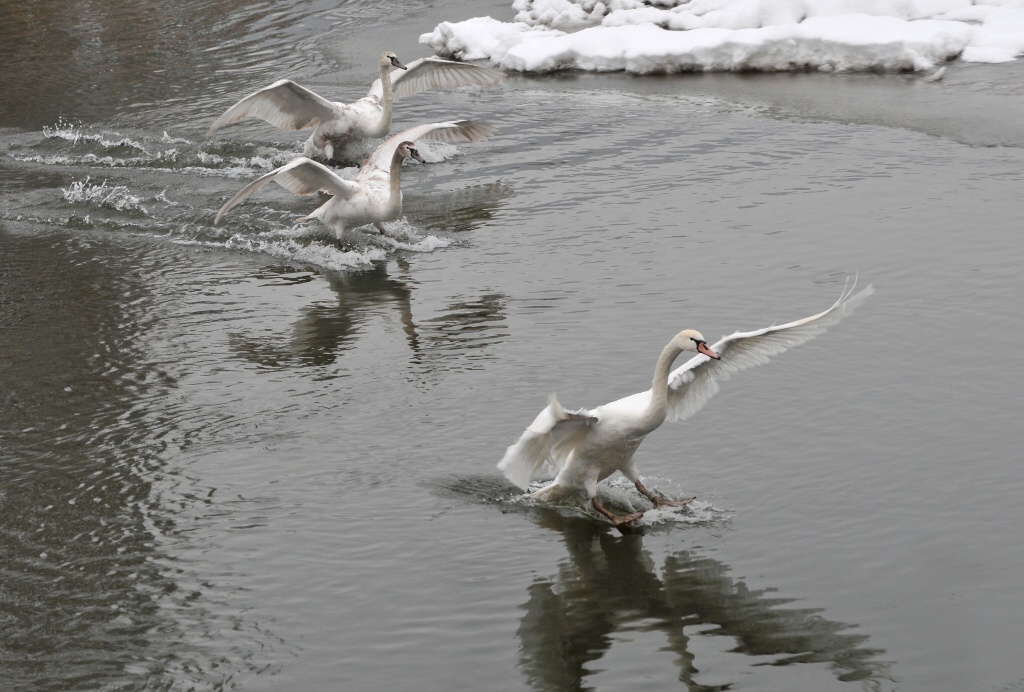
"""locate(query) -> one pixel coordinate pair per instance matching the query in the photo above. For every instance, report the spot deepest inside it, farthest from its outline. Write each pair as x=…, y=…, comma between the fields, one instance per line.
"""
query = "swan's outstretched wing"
x=692, y=385
x=283, y=104
x=302, y=176
x=426, y=74
x=552, y=435
x=452, y=132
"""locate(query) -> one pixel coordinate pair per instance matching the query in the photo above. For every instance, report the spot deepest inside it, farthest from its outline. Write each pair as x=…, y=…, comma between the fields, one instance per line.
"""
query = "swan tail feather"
x=549, y=440
x=523, y=460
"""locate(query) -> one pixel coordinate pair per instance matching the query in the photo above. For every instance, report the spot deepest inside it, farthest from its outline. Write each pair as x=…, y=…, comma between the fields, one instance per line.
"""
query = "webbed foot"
x=658, y=500
x=661, y=502
x=619, y=519
x=616, y=519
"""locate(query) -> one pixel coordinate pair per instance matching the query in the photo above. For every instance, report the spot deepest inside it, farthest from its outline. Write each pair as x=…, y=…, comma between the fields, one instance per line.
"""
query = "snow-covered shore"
x=738, y=35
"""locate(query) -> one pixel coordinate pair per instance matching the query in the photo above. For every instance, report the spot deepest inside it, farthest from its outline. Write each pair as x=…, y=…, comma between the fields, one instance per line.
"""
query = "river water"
x=241, y=457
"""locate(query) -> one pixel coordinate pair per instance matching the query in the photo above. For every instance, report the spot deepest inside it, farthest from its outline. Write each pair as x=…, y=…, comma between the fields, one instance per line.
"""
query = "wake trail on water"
x=146, y=185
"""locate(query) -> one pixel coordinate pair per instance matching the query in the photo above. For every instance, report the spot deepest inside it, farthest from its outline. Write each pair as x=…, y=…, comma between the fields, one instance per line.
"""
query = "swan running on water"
x=586, y=446
x=289, y=106
x=375, y=195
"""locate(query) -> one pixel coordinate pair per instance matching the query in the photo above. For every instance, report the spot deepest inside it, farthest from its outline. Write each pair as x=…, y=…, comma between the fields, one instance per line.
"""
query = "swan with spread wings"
x=375, y=195
x=291, y=106
x=585, y=446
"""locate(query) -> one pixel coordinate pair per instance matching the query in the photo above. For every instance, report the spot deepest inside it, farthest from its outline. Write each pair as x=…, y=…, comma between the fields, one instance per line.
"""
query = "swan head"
x=692, y=340
x=408, y=151
x=389, y=57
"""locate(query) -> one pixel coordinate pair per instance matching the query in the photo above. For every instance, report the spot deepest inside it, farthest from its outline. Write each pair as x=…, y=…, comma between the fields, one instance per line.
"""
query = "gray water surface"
x=236, y=457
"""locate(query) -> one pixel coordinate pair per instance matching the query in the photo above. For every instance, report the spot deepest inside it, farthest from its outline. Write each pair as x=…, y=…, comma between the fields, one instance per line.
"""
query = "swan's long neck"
x=388, y=98
x=658, y=408
x=396, y=176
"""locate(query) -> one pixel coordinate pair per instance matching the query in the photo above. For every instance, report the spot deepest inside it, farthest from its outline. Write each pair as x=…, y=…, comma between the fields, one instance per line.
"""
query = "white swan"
x=375, y=195
x=586, y=446
x=290, y=106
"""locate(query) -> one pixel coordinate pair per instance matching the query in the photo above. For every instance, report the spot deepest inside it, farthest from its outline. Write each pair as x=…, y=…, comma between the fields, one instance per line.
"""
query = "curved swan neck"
x=657, y=409
x=395, y=172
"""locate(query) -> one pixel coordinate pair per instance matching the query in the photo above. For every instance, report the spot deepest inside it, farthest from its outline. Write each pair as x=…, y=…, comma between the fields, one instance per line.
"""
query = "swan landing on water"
x=584, y=447
x=290, y=106
x=375, y=195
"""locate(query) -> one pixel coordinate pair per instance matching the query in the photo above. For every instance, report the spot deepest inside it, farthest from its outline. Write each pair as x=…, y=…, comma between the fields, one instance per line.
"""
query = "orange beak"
x=706, y=350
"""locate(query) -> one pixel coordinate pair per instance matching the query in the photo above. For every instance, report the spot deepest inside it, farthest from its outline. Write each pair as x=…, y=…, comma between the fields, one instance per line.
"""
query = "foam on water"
x=319, y=254
x=313, y=245
x=621, y=497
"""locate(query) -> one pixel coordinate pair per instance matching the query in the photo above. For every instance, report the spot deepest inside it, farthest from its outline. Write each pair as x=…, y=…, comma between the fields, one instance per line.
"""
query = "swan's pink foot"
x=658, y=500
x=620, y=519
x=617, y=519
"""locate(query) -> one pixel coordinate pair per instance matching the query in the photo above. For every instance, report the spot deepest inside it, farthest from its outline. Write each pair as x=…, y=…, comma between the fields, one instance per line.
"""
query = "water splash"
x=75, y=134
x=435, y=152
x=116, y=197
x=167, y=139
x=313, y=245
x=621, y=497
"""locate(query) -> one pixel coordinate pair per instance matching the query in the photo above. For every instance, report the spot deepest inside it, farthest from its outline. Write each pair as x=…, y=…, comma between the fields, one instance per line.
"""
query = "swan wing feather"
x=695, y=382
x=450, y=131
x=302, y=176
x=551, y=437
x=283, y=104
x=431, y=73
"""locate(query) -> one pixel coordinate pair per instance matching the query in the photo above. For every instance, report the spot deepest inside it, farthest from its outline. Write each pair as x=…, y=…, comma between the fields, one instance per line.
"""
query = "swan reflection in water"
x=455, y=338
x=610, y=585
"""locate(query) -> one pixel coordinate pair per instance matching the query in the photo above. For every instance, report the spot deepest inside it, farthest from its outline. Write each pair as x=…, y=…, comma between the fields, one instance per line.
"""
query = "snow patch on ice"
x=651, y=36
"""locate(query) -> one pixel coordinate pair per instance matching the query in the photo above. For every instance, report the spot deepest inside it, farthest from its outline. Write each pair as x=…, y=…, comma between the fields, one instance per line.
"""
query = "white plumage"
x=584, y=447
x=375, y=195
x=290, y=106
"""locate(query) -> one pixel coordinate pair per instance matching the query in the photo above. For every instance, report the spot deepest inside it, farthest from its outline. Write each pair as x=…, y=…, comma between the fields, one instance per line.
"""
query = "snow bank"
x=737, y=35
